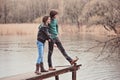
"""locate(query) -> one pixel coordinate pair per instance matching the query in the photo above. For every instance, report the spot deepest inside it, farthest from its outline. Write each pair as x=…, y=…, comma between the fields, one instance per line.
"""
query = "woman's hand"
x=55, y=45
x=49, y=40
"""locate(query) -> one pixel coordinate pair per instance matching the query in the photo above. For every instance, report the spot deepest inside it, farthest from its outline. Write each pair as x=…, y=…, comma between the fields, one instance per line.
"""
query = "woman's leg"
x=40, y=56
x=40, y=46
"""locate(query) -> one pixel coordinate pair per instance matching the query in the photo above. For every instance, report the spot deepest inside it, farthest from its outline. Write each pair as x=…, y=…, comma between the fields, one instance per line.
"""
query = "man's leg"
x=60, y=47
x=50, y=51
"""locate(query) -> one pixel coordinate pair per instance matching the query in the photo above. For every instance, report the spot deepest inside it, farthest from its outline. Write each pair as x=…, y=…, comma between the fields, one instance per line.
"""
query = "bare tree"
x=5, y=11
x=102, y=12
x=106, y=13
x=1, y=9
x=73, y=10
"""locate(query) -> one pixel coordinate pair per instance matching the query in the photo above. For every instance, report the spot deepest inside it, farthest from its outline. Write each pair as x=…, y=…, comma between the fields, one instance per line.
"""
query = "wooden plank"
x=33, y=76
x=20, y=76
x=54, y=73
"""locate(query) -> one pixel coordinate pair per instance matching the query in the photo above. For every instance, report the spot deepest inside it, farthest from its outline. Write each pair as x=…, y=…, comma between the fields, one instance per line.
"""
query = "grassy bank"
x=31, y=29
x=18, y=29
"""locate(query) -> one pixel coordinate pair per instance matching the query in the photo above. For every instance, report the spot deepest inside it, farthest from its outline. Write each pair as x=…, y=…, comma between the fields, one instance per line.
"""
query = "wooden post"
x=74, y=72
x=74, y=75
x=57, y=77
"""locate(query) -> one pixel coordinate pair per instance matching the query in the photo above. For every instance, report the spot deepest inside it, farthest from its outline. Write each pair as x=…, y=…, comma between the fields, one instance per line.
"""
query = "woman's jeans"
x=60, y=47
x=40, y=46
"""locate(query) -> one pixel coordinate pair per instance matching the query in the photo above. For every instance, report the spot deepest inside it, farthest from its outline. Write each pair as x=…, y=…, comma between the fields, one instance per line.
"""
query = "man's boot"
x=74, y=61
x=42, y=67
x=37, y=68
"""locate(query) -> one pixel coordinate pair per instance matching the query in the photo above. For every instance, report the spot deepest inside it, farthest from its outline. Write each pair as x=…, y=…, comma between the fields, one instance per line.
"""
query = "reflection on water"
x=18, y=55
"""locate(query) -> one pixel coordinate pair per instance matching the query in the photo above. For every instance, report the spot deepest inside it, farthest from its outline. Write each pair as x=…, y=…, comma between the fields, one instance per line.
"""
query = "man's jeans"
x=60, y=47
x=40, y=46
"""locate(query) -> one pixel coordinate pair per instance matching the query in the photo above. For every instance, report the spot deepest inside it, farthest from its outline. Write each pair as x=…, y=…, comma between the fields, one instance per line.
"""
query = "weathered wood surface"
x=33, y=76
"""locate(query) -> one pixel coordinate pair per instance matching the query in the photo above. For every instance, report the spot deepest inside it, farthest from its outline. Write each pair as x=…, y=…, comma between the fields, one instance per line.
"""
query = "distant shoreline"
x=31, y=29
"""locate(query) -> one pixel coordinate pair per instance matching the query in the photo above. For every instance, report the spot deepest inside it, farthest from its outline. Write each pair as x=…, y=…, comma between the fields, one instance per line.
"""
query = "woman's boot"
x=37, y=68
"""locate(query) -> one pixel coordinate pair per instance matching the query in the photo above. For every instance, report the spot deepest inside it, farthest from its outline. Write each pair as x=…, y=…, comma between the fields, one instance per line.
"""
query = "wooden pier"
x=56, y=73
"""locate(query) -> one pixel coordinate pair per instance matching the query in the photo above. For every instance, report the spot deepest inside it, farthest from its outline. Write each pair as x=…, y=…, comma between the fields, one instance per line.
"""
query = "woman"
x=53, y=29
x=43, y=35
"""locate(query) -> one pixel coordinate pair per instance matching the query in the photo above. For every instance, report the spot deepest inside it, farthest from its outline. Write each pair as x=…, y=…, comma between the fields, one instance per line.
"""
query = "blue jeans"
x=40, y=46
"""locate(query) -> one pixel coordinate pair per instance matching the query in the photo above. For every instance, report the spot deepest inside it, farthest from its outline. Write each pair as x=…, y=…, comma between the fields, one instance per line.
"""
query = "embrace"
x=48, y=30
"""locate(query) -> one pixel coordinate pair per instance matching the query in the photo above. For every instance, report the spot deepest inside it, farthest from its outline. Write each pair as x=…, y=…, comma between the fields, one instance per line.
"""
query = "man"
x=53, y=29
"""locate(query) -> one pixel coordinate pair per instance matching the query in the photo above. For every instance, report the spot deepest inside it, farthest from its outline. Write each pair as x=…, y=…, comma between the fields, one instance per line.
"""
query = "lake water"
x=18, y=55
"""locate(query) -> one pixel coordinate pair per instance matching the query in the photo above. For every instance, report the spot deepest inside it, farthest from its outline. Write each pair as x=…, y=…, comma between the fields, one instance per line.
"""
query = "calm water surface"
x=18, y=55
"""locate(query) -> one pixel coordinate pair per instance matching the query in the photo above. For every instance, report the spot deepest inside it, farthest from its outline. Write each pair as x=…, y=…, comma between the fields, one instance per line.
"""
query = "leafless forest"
x=79, y=12
x=22, y=11
x=105, y=12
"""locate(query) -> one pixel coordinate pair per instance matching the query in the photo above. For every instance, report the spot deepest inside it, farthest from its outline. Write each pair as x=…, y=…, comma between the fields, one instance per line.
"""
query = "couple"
x=49, y=31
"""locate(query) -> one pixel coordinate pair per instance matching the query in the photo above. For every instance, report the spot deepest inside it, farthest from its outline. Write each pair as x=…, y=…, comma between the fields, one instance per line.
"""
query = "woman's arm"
x=46, y=32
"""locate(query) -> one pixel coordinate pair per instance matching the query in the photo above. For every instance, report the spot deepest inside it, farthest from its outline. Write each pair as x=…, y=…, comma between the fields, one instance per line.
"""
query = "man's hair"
x=53, y=13
x=44, y=19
